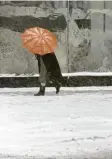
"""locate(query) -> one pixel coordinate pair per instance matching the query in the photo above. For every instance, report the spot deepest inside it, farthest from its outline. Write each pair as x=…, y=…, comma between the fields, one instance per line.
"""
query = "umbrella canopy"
x=39, y=41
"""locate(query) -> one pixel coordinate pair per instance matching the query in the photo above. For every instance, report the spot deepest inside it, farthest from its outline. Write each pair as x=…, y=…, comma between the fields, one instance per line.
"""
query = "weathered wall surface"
x=14, y=18
x=91, y=48
x=83, y=30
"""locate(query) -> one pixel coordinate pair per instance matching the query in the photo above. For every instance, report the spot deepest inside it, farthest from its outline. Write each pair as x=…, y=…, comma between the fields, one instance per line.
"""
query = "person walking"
x=49, y=71
x=42, y=43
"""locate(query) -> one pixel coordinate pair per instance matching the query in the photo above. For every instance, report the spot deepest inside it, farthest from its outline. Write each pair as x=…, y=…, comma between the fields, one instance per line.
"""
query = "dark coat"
x=52, y=67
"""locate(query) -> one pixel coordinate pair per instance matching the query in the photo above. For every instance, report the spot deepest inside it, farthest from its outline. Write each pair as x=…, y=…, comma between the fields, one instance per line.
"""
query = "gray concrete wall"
x=13, y=57
x=91, y=49
x=83, y=45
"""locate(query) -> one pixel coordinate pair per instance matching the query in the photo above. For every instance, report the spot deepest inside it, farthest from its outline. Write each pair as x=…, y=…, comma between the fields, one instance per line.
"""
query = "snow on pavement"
x=75, y=124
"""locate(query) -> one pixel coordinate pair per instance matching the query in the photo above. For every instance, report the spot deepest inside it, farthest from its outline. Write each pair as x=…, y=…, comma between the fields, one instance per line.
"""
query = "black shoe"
x=41, y=91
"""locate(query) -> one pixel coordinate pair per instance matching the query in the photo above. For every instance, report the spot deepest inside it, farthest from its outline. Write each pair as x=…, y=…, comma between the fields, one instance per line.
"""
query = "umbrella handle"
x=37, y=56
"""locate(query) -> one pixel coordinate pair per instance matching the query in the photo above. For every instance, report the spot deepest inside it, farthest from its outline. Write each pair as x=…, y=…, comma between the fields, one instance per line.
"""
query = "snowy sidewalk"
x=77, y=124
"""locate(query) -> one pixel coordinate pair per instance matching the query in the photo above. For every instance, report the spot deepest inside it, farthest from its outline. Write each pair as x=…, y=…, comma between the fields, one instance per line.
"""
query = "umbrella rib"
x=29, y=40
x=48, y=45
x=35, y=43
x=32, y=31
x=41, y=49
x=30, y=48
x=28, y=35
x=51, y=39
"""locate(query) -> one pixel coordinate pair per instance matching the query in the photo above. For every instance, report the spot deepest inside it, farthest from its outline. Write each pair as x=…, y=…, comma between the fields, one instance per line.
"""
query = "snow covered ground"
x=77, y=124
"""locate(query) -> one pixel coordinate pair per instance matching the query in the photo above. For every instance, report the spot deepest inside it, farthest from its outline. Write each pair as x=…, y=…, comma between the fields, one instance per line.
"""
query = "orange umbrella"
x=39, y=41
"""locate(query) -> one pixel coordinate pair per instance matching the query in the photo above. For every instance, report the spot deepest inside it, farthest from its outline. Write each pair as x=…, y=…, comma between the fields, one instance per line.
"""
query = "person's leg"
x=53, y=70
x=42, y=78
x=57, y=85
